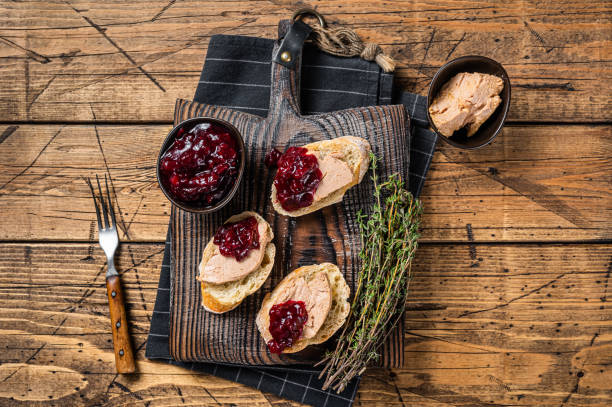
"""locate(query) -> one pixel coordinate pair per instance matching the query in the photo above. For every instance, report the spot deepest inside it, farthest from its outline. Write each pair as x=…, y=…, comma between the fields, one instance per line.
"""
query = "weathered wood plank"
x=118, y=61
x=486, y=325
x=534, y=183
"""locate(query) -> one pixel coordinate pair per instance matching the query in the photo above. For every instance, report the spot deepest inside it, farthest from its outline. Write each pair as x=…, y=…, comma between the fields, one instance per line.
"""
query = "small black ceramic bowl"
x=489, y=129
x=188, y=125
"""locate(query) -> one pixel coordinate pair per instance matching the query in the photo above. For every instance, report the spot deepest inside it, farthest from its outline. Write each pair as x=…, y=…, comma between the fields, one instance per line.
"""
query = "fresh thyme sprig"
x=389, y=240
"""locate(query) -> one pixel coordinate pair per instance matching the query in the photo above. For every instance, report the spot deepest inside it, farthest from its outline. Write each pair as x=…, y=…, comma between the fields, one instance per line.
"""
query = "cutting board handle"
x=287, y=63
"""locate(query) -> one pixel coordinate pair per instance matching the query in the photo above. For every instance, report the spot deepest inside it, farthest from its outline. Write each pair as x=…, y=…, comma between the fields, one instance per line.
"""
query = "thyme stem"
x=389, y=240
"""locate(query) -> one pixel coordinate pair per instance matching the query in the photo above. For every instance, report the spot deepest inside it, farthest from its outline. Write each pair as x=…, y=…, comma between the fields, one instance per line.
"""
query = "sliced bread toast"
x=354, y=151
x=336, y=317
x=220, y=298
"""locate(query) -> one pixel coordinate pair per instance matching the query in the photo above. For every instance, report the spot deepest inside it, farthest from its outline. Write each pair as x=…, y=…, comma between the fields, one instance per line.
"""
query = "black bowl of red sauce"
x=200, y=164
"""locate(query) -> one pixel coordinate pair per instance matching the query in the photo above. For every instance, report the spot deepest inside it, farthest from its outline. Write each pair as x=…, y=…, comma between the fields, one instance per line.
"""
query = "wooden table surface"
x=511, y=300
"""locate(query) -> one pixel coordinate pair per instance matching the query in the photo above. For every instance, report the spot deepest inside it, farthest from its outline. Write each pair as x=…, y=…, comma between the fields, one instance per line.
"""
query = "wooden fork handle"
x=124, y=358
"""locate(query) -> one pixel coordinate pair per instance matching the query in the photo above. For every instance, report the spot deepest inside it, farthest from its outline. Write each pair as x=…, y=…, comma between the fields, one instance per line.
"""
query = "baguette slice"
x=220, y=298
x=355, y=153
x=336, y=317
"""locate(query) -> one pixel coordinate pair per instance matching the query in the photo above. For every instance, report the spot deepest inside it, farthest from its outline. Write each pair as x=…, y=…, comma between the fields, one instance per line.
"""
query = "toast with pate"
x=325, y=294
x=226, y=282
x=343, y=162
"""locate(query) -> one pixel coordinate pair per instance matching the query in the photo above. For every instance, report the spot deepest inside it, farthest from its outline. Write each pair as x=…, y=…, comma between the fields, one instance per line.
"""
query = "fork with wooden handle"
x=109, y=240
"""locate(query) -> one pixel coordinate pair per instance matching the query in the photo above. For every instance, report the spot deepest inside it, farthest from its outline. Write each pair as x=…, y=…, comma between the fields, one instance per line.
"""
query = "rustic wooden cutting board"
x=329, y=235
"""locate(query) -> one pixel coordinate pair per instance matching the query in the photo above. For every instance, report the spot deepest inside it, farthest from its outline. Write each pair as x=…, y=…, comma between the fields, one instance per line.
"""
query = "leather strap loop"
x=290, y=48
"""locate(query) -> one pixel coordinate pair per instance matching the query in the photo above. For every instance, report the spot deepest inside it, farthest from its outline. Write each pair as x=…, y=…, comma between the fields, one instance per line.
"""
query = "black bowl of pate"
x=491, y=127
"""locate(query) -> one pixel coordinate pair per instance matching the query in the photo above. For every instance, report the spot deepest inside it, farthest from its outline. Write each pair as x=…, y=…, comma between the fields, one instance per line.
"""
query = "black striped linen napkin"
x=237, y=74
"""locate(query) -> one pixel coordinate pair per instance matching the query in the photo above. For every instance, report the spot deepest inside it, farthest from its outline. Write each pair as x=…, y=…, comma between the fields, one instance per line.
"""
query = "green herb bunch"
x=389, y=240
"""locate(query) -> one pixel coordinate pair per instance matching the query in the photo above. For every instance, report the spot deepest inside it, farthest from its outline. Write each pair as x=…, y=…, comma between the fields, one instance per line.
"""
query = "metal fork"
x=109, y=240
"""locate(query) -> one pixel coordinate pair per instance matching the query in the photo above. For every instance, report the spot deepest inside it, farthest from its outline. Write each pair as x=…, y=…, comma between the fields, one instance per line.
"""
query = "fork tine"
x=110, y=202
x=103, y=204
x=93, y=195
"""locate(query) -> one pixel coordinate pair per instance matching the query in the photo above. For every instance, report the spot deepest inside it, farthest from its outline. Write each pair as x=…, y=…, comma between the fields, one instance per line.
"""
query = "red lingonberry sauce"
x=201, y=165
x=237, y=239
x=297, y=178
x=286, y=323
x=271, y=159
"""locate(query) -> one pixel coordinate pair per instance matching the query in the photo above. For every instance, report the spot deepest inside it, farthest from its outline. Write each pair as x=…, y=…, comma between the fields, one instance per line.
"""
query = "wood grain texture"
x=488, y=324
x=122, y=344
x=526, y=325
x=128, y=61
x=542, y=183
x=233, y=337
